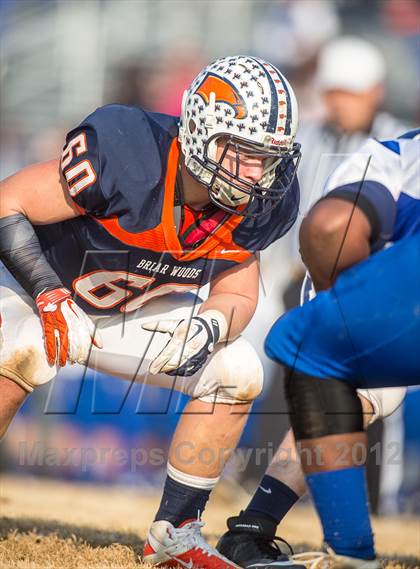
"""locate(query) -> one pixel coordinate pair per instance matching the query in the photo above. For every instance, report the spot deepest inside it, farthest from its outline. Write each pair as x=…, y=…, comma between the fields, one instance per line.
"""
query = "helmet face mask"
x=236, y=195
x=240, y=109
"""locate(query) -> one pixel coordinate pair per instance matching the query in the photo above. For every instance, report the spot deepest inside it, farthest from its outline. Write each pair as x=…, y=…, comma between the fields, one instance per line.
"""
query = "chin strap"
x=178, y=199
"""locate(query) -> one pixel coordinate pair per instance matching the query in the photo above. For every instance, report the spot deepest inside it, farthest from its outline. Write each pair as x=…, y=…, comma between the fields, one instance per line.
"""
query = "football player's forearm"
x=21, y=253
x=236, y=309
x=34, y=195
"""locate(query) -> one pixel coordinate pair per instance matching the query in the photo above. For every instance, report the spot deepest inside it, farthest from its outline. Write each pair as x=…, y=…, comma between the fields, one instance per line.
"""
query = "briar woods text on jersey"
x=175, y=271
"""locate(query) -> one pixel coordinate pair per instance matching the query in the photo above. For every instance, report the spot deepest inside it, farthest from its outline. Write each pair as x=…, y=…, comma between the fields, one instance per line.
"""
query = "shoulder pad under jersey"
x=115, y=159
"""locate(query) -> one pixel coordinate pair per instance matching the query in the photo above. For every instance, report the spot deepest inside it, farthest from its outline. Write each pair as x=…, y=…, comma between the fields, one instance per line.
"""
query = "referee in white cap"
x=350, y=75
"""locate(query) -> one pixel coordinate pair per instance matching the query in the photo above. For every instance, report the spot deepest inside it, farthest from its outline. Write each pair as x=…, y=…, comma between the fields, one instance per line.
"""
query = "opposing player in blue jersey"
x=140, y=207
x=371, y=200
x=362, y=332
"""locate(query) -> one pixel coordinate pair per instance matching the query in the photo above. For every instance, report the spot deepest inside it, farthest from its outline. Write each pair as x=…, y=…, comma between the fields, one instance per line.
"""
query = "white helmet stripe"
x=272, y=118
x=288, y=106
x=277, y=103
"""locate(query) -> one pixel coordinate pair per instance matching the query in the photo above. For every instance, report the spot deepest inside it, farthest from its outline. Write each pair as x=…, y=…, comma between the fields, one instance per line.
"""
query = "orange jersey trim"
x=81, y=210
x=152, y=239
x=164, y=238
x=220, y=239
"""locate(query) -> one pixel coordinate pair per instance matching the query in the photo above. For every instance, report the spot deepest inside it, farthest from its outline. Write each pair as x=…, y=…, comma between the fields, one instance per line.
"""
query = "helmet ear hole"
x=192, y=127
x=212, y=148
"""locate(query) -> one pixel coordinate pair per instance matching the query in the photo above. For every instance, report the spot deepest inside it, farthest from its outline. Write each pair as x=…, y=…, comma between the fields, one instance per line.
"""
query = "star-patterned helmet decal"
x=237, y=96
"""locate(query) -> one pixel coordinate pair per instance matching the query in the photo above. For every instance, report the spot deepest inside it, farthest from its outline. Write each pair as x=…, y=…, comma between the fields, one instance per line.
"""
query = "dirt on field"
x=58, y=525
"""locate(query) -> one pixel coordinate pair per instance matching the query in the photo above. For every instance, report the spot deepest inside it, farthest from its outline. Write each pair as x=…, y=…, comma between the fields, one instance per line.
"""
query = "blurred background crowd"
x=354, y=65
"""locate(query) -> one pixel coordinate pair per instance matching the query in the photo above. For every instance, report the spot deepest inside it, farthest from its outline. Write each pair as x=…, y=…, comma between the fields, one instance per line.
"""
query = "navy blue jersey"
x=120, y=165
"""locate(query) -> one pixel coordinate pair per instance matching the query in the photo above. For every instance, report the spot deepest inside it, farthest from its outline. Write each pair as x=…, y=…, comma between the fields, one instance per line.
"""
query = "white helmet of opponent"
x=246, y=104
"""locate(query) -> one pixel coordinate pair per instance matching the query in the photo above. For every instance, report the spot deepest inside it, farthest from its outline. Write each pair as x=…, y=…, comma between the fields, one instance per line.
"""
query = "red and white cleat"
x=168, y=546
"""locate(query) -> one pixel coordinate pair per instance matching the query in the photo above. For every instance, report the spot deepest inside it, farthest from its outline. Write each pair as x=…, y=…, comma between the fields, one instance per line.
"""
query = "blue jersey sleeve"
x=112, y=164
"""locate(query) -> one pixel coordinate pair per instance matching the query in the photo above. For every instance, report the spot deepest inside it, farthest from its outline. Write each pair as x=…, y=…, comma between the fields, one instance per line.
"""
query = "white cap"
x=350, y=64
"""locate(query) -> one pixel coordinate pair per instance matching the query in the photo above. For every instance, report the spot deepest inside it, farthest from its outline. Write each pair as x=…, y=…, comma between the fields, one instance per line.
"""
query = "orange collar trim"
x=222, y=237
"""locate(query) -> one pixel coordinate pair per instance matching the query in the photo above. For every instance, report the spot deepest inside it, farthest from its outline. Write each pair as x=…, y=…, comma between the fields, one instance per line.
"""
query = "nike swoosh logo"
x=188, y=565
x=200, y=328
x=266, y=490
x=235, y=198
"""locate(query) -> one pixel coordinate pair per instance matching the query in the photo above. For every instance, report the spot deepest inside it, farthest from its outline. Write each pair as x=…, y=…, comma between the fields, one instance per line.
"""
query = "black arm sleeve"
x=21, y=253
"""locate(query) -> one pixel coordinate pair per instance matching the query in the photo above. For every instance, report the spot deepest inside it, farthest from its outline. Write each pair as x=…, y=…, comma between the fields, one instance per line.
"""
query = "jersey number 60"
x=82, y=175
x=105, y=289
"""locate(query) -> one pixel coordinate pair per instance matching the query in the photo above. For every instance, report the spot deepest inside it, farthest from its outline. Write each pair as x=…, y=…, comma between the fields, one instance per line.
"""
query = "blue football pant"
x=365, y=330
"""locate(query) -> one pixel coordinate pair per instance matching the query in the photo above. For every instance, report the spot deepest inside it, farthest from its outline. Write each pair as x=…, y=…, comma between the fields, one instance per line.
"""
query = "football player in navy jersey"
x=140, y=207
x=359, y=328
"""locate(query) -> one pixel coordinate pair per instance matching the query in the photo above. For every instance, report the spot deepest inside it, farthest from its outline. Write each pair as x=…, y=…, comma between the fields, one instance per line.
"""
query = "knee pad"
x=384, y=400
x=238, y=372
x=322, y=407
x=28, y=367
x=22, y=352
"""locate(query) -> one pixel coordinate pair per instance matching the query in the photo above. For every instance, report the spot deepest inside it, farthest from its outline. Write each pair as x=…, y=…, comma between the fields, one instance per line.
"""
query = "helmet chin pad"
x=226, y=194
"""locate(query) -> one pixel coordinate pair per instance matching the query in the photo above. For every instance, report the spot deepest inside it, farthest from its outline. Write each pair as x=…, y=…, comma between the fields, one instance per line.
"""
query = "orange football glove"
x=68, y=330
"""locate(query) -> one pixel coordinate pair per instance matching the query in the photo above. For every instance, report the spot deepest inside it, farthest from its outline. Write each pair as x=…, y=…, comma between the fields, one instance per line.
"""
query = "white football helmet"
x=246, y=104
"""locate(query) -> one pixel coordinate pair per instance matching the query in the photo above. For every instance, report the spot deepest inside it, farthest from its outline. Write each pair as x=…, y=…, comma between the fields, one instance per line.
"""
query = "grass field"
x=57, y=525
